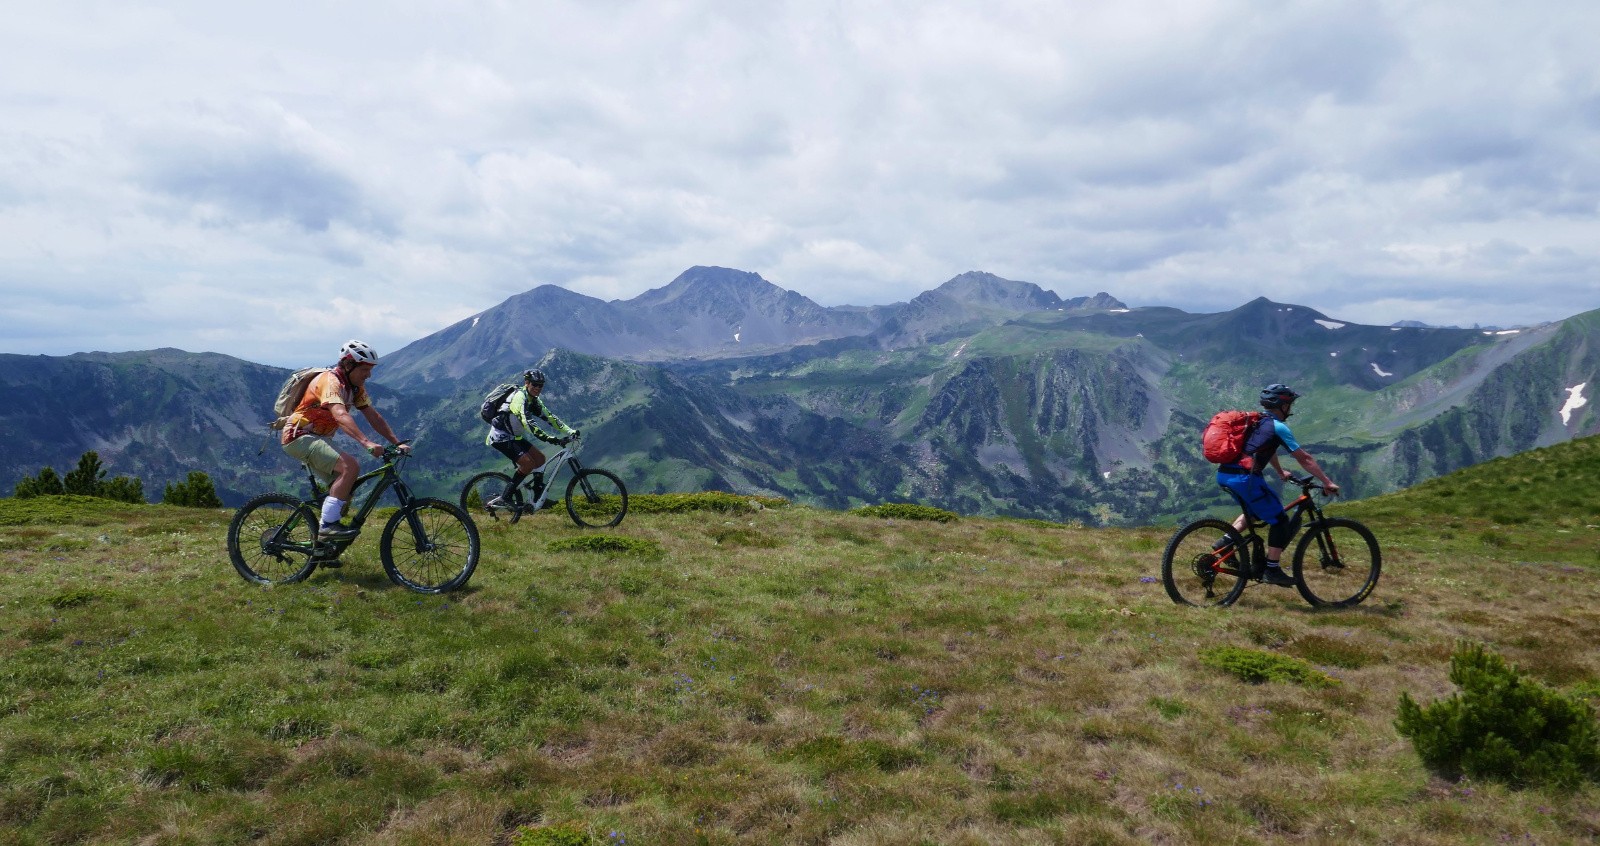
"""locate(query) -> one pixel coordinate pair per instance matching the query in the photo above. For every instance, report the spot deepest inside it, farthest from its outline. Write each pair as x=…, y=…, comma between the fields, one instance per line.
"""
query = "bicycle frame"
x=566, y=457
x=1301, y=507
x=387, y=476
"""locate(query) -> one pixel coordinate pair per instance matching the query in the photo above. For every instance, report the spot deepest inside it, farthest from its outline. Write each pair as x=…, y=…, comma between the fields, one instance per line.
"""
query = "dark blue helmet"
x=534, y=376
x=1277, y=396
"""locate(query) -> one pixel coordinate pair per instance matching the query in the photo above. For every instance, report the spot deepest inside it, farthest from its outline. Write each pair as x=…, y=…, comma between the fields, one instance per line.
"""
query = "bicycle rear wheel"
x=484, y=488
x=271, y=540
x=429, y=547
x=596, y=499
x=1336, y=564
x=1204, y=565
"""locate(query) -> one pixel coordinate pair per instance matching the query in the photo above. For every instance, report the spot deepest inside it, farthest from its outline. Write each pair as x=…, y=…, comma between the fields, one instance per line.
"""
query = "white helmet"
x=358, y=352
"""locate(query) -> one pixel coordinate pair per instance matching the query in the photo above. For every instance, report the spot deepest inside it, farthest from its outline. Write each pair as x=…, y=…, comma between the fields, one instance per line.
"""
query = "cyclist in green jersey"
x=524, y=403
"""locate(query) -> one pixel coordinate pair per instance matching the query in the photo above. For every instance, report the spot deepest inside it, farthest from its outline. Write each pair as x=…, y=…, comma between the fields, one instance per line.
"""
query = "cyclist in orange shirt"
x=324, y=409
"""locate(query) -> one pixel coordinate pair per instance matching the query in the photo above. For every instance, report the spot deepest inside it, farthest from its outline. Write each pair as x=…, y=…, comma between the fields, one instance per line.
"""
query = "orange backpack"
x=1224, y=438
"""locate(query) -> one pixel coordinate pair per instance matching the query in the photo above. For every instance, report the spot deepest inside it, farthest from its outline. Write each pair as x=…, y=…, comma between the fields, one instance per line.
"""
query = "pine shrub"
x=196, y=491
x=47, y=483
x=1256, y=666
x=1503, y=727
x=907, y=511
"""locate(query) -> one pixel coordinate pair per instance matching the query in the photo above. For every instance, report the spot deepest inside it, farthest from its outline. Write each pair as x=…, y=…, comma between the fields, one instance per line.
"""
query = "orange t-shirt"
x=312, y=417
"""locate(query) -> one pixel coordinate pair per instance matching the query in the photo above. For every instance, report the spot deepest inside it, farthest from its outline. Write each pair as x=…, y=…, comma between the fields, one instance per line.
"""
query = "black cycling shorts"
x=514, y=448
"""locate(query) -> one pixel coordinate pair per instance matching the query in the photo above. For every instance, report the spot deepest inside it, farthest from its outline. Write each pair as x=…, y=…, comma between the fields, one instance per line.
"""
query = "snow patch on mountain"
x=1575, y=401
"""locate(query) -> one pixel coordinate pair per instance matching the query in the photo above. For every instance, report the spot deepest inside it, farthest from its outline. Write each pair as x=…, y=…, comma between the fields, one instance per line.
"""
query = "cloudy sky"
x=266, y=180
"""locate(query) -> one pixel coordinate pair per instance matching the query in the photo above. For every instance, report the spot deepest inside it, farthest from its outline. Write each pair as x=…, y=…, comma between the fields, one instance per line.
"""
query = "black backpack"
x=492, y=403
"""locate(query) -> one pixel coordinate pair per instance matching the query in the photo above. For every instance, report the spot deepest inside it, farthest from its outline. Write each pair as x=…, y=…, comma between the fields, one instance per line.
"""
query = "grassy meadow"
x=774, y=675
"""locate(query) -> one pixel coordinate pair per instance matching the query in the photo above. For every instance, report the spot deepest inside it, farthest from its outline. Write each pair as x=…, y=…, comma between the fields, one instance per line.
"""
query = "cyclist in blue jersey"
x=1245, y=480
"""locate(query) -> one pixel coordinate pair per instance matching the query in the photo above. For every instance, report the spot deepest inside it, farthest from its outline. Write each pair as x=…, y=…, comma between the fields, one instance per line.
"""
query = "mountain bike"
x=595, y=499
x=1209, y=563
x=428, y=546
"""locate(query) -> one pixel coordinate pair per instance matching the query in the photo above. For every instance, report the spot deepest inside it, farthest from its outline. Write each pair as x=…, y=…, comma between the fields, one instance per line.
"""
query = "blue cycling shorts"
x=1259, y=499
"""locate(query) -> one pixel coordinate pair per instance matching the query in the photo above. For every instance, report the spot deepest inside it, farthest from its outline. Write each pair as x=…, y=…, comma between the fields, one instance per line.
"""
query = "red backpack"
x=1224, y=437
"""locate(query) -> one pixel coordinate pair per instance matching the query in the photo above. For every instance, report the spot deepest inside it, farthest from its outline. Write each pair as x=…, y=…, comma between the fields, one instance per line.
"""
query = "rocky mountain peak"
x=710, y=285
x=986, y=289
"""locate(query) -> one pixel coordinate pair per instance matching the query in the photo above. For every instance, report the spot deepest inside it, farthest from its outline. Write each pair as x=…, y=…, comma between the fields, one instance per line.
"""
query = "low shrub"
x=906, y=511
x=1256, y=666
x=1503, y=726
x=608, y=545
x=560, y=834
x=719, y=501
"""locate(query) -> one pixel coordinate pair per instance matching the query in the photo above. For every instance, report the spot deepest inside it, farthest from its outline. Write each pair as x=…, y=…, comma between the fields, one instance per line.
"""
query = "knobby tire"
x=1187, y=573
x=485, y=486
x=596, y=499
x=1337, y=563
x=441, y=558
x=271, y=540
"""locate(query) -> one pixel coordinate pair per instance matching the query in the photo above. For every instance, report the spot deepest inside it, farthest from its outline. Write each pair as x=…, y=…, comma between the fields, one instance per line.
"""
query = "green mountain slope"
x=1079, y=412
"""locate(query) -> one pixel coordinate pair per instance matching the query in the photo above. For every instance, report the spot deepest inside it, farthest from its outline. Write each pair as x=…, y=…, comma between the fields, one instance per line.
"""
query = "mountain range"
x=982, y=395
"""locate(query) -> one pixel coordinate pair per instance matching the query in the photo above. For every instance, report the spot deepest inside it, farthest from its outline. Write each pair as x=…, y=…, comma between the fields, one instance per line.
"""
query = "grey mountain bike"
x=595, y=499
x=428, y=546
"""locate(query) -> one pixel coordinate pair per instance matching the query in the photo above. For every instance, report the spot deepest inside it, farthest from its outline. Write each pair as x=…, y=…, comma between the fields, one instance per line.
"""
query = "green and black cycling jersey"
x=521, y=406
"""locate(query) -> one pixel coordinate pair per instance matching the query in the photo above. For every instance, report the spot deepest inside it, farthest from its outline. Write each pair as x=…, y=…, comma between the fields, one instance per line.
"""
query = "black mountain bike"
x=1336, y=563
x=596, y=499
x=428, y=546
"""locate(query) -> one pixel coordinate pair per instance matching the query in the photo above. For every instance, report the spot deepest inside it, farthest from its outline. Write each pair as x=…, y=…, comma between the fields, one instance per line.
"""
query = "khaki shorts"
x=317, y=453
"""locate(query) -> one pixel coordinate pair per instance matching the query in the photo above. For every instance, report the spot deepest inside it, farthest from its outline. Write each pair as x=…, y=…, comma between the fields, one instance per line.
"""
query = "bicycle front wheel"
x=1336, y=564
x=271, y=540
x=1204, y=565
x=429, y=547
x=596, y=499
x=484, y=488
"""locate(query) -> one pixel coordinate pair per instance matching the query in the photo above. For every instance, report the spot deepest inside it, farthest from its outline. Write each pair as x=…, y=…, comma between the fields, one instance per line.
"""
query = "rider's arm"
x=542, y=412
x=380, y=425
x=1282, y=473
x=1315, y=469
x=347, y=424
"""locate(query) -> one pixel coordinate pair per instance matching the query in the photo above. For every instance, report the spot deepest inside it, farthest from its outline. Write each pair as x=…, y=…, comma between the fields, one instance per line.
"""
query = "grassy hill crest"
x=776, y=675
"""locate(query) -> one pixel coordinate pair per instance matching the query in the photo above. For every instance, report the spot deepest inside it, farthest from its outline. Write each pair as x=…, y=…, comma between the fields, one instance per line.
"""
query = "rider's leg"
x=333, y=469
x=527, y=461
x=1262, y=503
x=344, y=480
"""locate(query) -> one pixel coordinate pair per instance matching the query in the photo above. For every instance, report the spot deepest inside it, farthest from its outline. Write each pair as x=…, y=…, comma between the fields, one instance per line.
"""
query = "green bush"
x=47, y=483
x=1503, y=726
x=907, y=511
x=561, y=834
x=85, y=480
x=608, y=545
x=1255, y=666
x=197, y=491
x=719, y=501
x=123, y=489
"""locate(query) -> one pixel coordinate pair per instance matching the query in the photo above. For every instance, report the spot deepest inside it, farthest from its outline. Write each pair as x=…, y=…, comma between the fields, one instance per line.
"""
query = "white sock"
x=331, y=510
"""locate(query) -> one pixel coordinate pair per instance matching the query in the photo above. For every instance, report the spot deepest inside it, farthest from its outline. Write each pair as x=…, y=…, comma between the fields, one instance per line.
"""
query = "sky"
x=268, y=180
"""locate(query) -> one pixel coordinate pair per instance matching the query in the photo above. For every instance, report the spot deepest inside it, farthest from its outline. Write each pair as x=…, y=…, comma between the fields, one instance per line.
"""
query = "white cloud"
x=410, y=166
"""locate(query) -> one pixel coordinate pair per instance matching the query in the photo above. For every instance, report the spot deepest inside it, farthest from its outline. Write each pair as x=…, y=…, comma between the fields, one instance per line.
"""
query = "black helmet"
x=534, y=376
x=1277, y=396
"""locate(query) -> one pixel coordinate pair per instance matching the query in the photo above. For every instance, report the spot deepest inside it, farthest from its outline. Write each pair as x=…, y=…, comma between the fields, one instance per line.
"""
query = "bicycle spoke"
x=270, y=540
x=431, y=547
x=1204, y=565
x=481, y=497
x=1337, y=563
x=596, y=499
